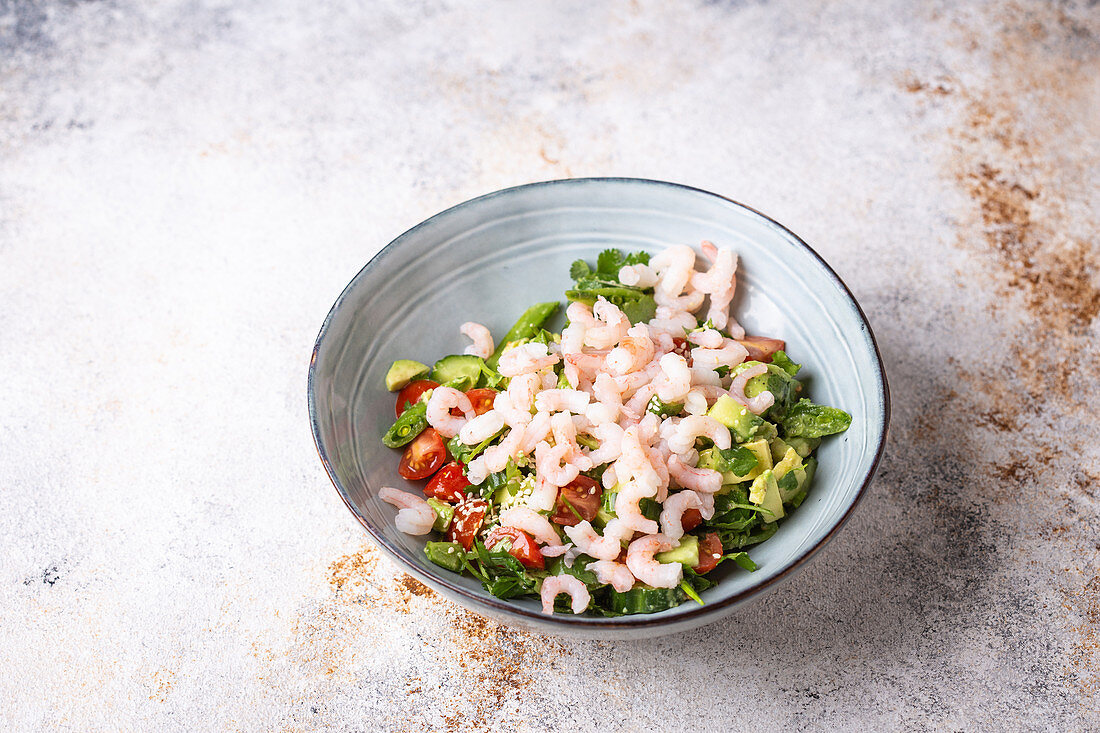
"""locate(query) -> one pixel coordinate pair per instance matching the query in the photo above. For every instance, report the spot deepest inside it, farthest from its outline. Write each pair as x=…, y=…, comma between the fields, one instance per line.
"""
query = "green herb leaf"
x=742, y=559
x=608, y=263
x=781, y=360
x=579, y=269
x=740, y=460
x=808, y=420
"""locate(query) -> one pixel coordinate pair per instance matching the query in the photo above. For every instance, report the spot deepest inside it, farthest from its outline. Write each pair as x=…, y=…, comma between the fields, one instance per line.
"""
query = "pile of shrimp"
x=613, y=369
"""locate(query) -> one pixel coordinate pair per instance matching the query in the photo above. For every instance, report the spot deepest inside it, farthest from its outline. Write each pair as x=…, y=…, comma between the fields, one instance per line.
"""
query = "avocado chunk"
x=444, y=513
x=446, y=555
x=804, y=446
x=461, y=369
x=765, y=494
x=760, y=449
x=777, y=381
x=404, y=371
x=687, y=554
x=743, y=424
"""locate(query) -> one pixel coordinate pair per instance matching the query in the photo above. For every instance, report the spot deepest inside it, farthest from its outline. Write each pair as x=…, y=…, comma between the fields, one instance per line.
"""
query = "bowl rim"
x=710, y=612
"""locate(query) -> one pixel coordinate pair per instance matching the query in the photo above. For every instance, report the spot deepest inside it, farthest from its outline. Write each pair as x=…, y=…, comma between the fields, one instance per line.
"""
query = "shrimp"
x=582, y=314
x=730, y=354
x=708, y=338
x=610, y=477
x=719, y=282
x=532, y=523
x=555, y=551
x=544, y=495
x=526, y=358
x=634, y=462
x=642, y=276
x=439, y=411
x=590, y=543
x=702, y=376
x=675, y=380
x=695, y=403
x=636, y=405
x=565, y=433
x=760, y=402
x=477, y=470
x=698, y=426
x=644, y=567
x=512, y=415
x=627, y=511
x=548, y=463
x=535, y=432
x=610, y=436
x=672, y=512
x=414, y=516
x=614, y=329
x=561, y=400
x=614, y=573
x=482, y=340
x=481, y=427
x=672, y=320
x=522, y=390
x=607, y=393
x=633, y=352
x=705, y=480
x=674, y=266
x=571, y=586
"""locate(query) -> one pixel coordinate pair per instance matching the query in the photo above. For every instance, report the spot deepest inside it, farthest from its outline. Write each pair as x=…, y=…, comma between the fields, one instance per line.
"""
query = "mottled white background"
x=185, y=187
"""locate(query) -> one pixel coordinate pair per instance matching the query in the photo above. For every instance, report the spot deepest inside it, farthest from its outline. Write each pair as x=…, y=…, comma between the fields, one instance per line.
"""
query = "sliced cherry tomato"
x=524, y=548
x=423, y=457
x=681, y=346
x=761, y=348
x=691, y=519
x=482, y=399
x=411, y=393
x=448, y=484
x=467, y=521
x=584, y=495
x=710, y=552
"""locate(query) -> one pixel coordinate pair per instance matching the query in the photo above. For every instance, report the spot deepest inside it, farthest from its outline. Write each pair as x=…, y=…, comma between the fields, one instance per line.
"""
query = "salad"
x=608, y=468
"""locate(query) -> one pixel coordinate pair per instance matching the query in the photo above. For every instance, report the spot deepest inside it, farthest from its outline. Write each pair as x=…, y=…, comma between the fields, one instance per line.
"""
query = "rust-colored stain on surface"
x=1033, y=227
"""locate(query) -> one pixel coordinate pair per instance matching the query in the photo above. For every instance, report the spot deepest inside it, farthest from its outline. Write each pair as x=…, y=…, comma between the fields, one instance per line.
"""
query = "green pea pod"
x=411, y=423
x=526, y=327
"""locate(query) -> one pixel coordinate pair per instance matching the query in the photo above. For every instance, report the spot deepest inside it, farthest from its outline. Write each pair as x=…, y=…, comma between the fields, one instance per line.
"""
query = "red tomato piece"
x=761, y=348
x=691, y=519
x=482, y=399
x=681, y=346
x=448, y=484
x=524, y=548
x=423, y=456
x=584, y=495
x=467, y=522
x=411, y=393
x=710, y=552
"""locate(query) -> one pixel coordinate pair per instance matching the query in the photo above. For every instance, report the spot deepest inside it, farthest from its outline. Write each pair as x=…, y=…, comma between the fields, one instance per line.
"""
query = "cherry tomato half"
x=761, y=348
x=467, y=521
x=691, y=519
x=423, y=457
x=584, y=495
x=448, y=483
x=482, y=399
x=411, y=393
x=681, y=346
x=710, y=552
x=524, y=548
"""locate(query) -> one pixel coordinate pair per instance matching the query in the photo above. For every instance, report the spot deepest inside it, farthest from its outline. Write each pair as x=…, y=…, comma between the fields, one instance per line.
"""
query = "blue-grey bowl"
x=489, y=258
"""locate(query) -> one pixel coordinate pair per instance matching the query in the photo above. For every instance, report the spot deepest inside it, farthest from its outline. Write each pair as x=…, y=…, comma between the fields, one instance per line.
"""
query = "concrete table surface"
x=185, y=187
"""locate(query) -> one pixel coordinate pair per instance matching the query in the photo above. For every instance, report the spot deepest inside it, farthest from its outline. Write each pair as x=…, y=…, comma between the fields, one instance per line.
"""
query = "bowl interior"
x=488, y=259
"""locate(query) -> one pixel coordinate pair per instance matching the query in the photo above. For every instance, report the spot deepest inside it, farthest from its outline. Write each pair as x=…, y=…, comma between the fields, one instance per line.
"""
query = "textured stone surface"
x=185, y=187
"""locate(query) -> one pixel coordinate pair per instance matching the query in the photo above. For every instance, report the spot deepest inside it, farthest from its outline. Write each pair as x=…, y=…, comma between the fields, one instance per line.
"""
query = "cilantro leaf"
x=641, y=257
x=579, y=269
x=608, y=264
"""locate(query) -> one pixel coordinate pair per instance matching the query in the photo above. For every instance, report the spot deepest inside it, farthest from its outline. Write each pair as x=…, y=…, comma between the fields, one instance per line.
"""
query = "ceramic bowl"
x=487, y=259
